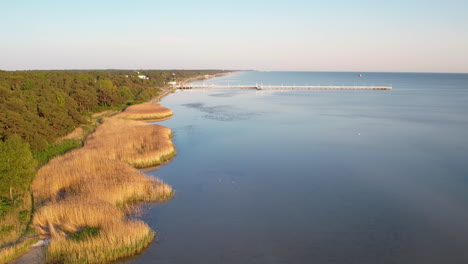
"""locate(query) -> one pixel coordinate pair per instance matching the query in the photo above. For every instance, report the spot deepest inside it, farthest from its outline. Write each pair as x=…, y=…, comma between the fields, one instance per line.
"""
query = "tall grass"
x=146, y=111
x=112, y=243
x=134, y=142
x=90, y=186
x=14, y=217
x=85, y=173
x=12, y=252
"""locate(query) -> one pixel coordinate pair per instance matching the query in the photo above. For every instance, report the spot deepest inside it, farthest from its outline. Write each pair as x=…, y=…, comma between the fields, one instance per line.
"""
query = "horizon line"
x=227, y=70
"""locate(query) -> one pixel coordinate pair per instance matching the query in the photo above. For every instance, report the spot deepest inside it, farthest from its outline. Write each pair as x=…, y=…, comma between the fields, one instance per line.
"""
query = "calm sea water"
x=317, y=176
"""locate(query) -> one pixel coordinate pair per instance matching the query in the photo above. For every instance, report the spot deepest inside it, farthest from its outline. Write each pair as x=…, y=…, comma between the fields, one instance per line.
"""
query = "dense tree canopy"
x=41, y=106
x=17, y=166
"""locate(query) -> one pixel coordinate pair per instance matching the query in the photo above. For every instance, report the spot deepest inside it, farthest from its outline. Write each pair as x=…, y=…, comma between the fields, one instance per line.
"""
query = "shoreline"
x=40, y=251
x=80, y=189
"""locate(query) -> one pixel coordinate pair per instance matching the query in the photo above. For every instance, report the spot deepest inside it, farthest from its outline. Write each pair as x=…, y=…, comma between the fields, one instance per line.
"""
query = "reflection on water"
x=221, y=112
x=317, y=176
x=223, y=95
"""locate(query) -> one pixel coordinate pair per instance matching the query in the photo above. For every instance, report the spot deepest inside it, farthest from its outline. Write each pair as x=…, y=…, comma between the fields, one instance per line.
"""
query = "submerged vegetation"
x=48, y=113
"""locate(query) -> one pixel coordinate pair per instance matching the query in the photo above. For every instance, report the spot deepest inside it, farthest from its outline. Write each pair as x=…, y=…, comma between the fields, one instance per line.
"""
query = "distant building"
x=143, y=77
x=173, y=84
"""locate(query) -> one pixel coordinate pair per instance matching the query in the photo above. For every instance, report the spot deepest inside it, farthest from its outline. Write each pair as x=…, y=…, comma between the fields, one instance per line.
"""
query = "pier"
x=283, y=87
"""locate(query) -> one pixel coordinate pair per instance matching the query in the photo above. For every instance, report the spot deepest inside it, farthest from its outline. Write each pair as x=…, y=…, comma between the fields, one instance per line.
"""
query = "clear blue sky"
x=332, y=35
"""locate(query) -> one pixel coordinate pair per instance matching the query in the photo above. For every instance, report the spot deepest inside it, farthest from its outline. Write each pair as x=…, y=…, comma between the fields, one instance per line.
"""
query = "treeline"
x=41, y=106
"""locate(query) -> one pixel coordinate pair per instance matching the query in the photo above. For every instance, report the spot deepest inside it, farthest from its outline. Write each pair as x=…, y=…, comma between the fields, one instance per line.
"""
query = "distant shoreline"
x=167, y=90
x=208, y=76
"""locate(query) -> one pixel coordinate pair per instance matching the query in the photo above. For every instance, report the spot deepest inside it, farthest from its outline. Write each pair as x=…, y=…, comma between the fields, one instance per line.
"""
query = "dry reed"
x=137, y=143
x=10, y=253
x=113, y=242
x=78, y=133
x=146, y=111
x=88, y=187
x=83, y=172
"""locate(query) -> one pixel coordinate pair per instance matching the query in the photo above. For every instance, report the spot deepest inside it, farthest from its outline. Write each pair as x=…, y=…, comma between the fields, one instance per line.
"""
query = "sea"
x=329, y=176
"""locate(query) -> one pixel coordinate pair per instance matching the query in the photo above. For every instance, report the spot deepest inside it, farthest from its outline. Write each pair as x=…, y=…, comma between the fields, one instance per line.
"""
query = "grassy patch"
x=15, y=216
x=154, y=162
x=84, y=233
x=5, y=206
x=12, y=252
x=6, y=229
x=56, y=149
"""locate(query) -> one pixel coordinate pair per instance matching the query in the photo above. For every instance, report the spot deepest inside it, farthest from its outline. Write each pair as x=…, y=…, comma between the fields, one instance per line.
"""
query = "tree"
x=125, y=93
x=17, y=165
x=107, y=93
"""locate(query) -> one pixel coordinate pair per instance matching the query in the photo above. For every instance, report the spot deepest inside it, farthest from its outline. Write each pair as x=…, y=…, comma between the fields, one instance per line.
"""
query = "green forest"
x=39, y=107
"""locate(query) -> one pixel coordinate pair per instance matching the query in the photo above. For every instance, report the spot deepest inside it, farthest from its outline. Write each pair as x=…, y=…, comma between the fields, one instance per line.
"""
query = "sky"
x=292, y=35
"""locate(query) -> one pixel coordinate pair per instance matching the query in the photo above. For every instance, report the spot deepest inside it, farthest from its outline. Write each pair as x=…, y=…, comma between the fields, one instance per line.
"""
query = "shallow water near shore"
x=316, y=176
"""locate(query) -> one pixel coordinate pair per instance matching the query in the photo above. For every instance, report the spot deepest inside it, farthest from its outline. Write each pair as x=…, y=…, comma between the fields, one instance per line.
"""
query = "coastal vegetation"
x=146, y=111
x=83, y=196
x=142, y=145
x=17, y=168
x=41, y=106
x=44, y=114
x=11, y=252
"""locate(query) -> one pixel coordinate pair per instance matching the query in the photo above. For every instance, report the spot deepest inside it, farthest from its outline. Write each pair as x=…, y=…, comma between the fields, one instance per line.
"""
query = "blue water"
x=317, y=176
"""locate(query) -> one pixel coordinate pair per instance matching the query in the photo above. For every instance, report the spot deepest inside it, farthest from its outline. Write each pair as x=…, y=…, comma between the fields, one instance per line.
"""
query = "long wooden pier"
x=283, y=87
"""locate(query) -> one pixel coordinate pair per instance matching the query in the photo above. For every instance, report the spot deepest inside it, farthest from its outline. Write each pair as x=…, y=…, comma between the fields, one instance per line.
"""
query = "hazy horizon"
x=228, y=70
x=332, y=36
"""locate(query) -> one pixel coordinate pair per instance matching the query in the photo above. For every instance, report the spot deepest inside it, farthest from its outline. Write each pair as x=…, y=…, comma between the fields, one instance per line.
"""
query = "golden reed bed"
x=146, y=111
x=90, y=189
